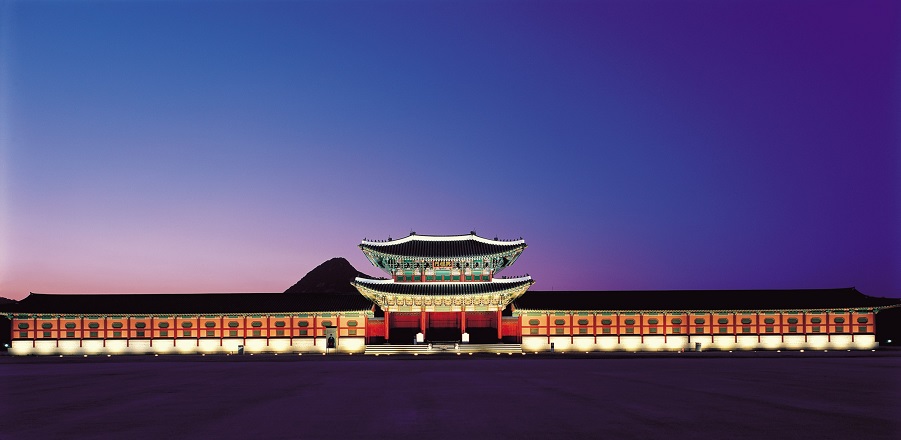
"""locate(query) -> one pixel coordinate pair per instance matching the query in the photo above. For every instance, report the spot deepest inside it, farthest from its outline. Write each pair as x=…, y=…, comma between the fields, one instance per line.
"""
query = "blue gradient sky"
x=233, y=146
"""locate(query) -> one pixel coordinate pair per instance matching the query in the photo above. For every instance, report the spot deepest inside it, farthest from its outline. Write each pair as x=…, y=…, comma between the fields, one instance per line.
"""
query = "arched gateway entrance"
x=482, y=327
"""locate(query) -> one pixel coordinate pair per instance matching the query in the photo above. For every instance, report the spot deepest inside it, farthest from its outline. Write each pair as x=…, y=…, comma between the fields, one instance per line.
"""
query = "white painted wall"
x=351, y=344
x=681, y=342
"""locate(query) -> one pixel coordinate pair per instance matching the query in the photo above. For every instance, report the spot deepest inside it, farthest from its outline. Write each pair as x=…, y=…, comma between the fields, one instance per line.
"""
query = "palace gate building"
x=444, y=289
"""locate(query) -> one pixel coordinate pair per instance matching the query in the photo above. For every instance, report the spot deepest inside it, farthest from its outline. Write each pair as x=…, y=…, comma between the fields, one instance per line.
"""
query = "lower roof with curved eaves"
x=443, y=288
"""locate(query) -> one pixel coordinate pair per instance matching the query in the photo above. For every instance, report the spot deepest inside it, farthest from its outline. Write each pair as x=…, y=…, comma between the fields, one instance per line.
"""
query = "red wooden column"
x=547, y=324
x=735, y=326
x=422, y=323
x=828, y=333
x=463, y=321
x=781, y=328
x=757, y=325
x=387, y=325
x=804, y=324
x=641, y=326
x=851, y=323
x=665, y=325
x=617, y=329
x=500, y=330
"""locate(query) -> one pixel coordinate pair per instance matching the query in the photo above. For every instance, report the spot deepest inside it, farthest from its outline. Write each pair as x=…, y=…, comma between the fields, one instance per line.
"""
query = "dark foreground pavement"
x=423, y=398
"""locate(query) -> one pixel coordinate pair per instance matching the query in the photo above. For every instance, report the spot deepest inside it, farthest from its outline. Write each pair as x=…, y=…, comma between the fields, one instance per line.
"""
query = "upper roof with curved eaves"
x=443, y=246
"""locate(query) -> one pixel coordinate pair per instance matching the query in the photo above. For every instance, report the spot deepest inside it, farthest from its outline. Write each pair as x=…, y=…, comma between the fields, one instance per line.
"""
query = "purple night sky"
x=233, y=146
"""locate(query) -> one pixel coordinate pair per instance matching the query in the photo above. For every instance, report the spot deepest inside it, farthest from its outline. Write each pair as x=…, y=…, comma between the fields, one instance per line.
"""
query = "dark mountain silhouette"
x=334, y=275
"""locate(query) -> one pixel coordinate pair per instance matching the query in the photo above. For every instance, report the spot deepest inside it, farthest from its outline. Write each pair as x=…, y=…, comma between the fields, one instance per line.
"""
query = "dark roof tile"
x=699, y=300
x=202, y=303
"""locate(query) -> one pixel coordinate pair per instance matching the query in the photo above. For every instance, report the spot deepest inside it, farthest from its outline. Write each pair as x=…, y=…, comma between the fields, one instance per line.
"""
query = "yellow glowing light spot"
x=471, y=353
x=87, y=355
x=802, y=351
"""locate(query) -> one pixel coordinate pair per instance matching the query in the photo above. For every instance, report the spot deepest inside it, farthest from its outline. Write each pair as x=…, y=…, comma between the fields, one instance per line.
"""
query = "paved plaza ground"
x=791, y=396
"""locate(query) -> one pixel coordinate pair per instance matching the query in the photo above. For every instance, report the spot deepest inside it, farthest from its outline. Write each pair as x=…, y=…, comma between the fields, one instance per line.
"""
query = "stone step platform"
x=443, y=348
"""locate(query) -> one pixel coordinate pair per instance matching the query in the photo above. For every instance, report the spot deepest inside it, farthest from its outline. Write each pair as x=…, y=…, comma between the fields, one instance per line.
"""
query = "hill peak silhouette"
x=334, y=275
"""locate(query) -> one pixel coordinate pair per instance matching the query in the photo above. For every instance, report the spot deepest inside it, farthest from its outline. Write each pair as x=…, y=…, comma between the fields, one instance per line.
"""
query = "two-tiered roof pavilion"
x=441, y=282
